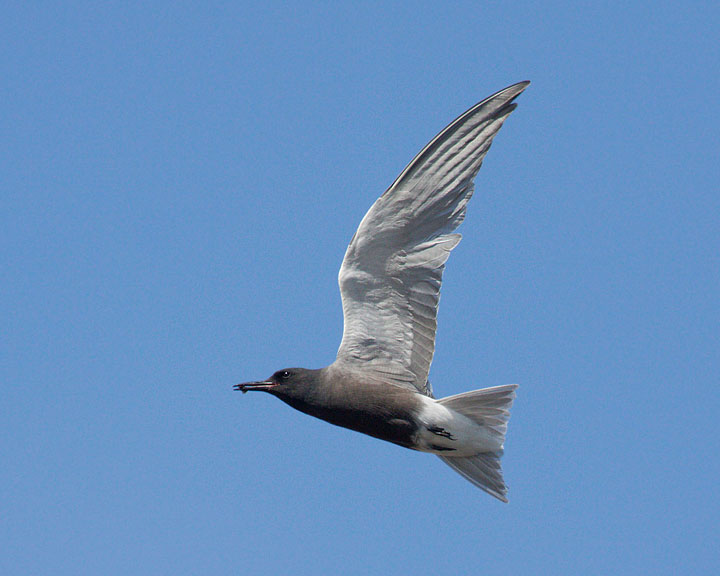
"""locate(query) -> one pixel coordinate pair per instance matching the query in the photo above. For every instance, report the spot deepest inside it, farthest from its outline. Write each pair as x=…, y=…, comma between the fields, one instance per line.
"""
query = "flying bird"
x=390, y=286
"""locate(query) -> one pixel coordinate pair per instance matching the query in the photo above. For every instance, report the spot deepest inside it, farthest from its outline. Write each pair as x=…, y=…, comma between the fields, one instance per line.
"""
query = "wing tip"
x=508, y=94
x=517, y=87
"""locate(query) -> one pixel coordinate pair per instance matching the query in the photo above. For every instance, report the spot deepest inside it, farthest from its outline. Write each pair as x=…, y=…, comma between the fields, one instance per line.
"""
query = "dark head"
x=286, y=384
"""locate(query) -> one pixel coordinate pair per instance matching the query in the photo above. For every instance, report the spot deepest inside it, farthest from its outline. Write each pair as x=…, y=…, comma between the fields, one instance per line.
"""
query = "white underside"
x=464, y=437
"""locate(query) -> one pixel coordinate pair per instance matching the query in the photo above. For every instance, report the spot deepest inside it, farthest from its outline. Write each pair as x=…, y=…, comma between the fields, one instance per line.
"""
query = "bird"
x=390, y=281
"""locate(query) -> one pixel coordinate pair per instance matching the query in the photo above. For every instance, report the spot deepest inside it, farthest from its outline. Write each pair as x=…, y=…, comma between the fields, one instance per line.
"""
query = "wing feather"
x=391, y=275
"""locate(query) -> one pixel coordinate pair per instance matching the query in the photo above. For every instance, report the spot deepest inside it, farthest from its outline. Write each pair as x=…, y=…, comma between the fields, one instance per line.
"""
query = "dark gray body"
x=381, y=410
x=466, y=430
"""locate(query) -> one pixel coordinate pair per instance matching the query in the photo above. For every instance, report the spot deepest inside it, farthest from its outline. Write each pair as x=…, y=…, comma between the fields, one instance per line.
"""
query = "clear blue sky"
x=179, y=183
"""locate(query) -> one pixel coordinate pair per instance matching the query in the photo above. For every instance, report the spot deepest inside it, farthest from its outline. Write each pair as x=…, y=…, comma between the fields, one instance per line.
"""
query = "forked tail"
x=490, y=408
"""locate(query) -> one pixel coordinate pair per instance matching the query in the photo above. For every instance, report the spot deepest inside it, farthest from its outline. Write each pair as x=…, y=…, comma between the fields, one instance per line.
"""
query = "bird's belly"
x=398, y=430
x=396, y=426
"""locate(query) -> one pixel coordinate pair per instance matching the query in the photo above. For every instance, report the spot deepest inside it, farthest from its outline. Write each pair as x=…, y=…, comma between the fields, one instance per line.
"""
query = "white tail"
x=490, y=408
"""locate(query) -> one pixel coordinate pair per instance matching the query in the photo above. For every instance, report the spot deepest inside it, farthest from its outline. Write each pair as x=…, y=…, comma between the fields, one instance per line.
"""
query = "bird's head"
x=287, y=384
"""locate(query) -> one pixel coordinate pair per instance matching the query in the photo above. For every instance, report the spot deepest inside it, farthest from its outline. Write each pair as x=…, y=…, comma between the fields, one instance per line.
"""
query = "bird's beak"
x=263, y=386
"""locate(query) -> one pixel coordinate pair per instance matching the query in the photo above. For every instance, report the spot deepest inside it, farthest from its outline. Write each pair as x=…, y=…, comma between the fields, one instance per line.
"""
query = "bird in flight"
x=390, y=286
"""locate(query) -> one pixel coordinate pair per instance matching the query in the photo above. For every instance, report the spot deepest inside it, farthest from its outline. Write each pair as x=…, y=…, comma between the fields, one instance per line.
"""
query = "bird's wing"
x=391, y=274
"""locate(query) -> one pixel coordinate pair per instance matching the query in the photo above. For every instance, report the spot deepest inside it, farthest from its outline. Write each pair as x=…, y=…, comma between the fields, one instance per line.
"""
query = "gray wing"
x=391, y=274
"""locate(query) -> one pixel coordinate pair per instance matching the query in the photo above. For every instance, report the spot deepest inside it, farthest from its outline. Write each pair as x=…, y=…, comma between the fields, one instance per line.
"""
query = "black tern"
x=390, y=286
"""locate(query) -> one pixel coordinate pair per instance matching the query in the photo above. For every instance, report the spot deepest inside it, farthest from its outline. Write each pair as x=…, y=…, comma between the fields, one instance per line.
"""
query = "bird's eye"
x=285, y=374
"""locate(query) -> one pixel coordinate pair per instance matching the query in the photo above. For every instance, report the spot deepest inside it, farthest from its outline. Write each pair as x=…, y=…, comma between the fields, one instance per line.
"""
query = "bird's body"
x=382, y=410
x=385, y=411
x=390, y=284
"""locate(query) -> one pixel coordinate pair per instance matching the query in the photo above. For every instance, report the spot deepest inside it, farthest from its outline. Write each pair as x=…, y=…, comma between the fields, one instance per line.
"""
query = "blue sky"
x=179, y=184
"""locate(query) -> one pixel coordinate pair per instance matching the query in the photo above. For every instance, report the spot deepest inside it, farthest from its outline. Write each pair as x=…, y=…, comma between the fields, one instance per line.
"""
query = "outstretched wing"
x=391, y=274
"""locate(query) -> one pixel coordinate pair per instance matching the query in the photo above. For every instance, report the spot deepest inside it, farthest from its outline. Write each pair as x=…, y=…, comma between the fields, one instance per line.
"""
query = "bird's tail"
x=490, y=408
